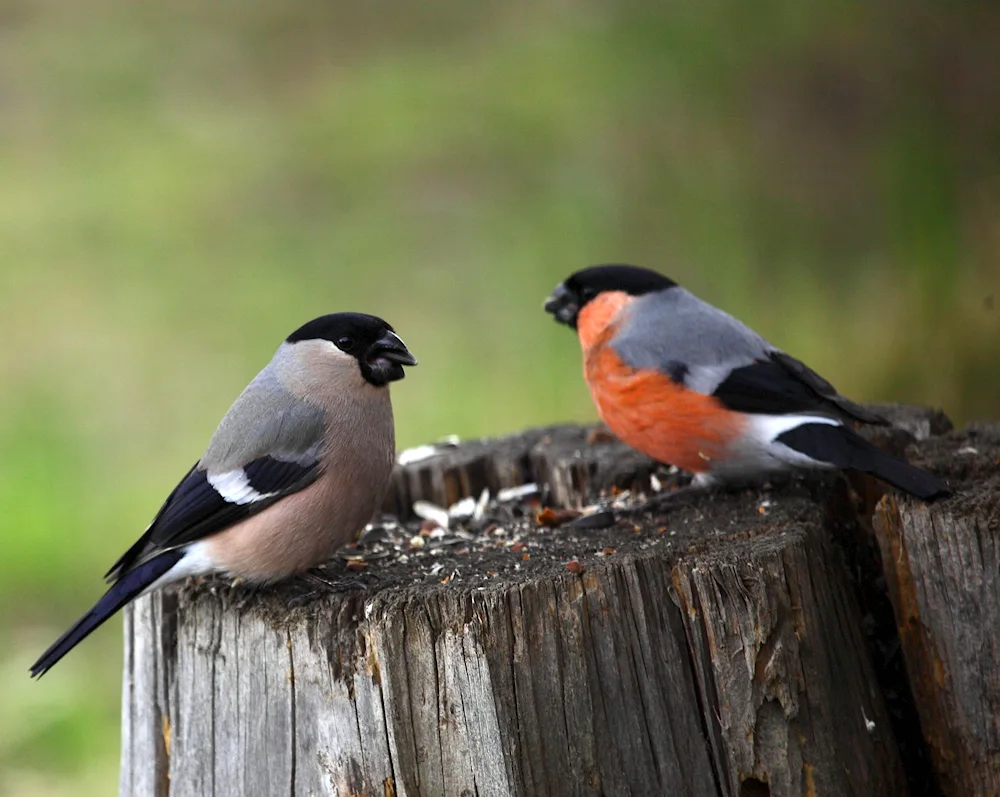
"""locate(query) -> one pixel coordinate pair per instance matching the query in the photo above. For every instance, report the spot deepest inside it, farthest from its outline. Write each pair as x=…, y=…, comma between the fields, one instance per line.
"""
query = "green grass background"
x=182, y=184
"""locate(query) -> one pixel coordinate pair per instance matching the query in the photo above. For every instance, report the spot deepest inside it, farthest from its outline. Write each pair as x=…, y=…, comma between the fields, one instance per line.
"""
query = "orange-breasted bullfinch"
x=689, y=385
x=297, y=466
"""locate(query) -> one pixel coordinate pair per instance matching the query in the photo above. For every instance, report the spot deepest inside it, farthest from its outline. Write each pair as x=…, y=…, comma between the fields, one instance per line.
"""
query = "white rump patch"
x=195, y=562
x=758, y=452
x=767, y=428
x=234, y=487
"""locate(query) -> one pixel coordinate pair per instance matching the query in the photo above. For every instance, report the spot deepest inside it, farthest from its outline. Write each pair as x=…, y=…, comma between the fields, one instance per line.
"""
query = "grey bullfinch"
x=688, y=385
x=297, y=466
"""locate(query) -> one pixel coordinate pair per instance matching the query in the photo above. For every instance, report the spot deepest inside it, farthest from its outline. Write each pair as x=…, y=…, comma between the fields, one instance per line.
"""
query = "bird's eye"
x=345, y=343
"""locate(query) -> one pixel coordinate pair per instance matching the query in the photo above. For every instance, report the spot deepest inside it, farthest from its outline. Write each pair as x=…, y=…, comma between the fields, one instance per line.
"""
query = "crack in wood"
x=291, y=711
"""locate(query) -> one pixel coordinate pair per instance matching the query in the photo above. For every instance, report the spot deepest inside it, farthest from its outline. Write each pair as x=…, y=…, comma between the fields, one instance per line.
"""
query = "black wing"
x=781, y=384
x=196, y=509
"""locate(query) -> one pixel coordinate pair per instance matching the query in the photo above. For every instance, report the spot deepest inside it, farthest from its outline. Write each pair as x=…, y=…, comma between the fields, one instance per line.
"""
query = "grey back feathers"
x=674, y=328
x=266, y=419
x=713, y=353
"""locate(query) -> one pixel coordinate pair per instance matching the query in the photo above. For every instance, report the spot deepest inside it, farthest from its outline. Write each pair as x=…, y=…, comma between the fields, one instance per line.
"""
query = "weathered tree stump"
x=942, y=567
x=717, y=649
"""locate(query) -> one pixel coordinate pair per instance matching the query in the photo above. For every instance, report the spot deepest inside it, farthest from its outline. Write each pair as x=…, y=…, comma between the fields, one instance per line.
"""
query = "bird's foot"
x=243, y=591
x=321, y=582
x=605, y=518
x=662, y=502
x=317, y=578
x=668, y=501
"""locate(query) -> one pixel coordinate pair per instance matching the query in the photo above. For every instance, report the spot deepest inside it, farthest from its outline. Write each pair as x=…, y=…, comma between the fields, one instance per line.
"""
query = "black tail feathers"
x=120, y=593
x=843, y=448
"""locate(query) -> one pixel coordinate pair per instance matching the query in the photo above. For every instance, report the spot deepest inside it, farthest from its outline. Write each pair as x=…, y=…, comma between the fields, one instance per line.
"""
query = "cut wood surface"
x=717, y=648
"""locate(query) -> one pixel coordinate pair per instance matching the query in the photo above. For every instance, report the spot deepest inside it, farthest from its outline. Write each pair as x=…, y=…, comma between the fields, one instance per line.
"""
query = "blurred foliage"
x=182, y=184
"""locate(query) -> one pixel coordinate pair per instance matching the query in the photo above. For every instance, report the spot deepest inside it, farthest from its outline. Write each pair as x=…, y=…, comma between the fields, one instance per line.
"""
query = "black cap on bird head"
x=573, y=294
x=379, y=351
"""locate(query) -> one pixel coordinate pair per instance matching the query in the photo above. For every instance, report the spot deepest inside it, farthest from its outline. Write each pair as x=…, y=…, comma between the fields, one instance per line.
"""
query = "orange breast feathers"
x=645, y=408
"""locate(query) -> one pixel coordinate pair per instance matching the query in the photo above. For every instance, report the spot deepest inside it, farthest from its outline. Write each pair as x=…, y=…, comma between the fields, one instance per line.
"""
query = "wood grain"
x=942, y=566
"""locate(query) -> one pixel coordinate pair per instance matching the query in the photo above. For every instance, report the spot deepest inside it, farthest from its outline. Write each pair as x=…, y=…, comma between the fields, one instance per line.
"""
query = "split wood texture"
x=721, y=648
x=942, y=569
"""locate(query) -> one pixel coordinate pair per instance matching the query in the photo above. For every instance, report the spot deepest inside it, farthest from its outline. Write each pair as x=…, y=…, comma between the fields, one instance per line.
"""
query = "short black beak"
x=390, y=347
x=563, y=305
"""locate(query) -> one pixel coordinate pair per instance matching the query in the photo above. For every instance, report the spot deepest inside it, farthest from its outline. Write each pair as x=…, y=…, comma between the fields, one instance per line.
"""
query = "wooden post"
x=714, y=650
x=942, y=567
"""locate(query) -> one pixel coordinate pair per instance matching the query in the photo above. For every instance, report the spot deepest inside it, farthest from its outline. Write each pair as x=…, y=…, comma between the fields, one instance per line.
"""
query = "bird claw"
x=315, y=578
x=321, y=585
x=664, y=502
x=243, y=592
x=605, y=518
x=318, y=579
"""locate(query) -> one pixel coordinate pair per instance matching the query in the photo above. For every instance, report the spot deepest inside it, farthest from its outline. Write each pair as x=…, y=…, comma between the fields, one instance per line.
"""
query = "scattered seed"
x=417, y=454
x=429, y=511
x=462, y=510
x=599, y=435
x=552, y=518
x=574, y=567
x=429, y=525
x=518, y=493
x=420, y=453
x=481, y=504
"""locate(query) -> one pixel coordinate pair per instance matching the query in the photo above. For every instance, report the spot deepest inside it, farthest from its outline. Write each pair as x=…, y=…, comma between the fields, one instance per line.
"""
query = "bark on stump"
x=718, y=649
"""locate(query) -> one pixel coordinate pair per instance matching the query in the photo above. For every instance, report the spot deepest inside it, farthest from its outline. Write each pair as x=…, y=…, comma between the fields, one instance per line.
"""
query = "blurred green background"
x=181, y=186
